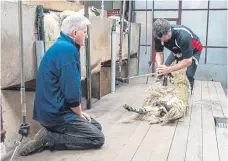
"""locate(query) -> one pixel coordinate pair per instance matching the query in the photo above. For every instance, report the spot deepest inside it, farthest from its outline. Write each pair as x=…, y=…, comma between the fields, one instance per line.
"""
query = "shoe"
x=35, y=145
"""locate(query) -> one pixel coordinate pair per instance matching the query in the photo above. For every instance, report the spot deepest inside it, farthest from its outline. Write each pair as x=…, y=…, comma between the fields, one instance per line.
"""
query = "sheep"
x=165, y=103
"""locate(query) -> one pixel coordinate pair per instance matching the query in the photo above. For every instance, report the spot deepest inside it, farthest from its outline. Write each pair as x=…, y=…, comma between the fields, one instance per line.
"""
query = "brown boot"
x=35, y=145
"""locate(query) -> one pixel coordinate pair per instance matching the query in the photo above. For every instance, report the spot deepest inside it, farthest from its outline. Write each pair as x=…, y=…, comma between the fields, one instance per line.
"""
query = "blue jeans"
x=191, y=70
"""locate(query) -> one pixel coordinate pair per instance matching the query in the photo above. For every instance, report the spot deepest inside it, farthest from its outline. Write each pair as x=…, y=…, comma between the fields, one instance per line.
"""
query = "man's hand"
x=78, y=110
x=162, y=70
x=86, y=116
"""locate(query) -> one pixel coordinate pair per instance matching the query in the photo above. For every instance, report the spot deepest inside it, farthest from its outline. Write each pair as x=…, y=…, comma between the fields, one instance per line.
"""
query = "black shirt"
x=183, y=43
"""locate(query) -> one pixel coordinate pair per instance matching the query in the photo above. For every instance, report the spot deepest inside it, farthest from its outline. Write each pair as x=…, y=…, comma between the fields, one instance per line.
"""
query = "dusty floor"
x=193, y=138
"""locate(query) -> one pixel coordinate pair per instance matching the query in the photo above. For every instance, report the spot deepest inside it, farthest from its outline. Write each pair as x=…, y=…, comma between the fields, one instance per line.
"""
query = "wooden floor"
x=193, y=138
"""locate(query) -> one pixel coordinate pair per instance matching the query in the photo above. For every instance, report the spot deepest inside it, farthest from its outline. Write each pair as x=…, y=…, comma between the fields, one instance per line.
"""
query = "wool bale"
x=10, y=55
x=64, y=14
x=51, y=26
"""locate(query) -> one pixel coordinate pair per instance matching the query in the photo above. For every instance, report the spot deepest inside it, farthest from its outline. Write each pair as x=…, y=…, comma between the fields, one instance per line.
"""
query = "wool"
x=51, y=26
x=165, y=103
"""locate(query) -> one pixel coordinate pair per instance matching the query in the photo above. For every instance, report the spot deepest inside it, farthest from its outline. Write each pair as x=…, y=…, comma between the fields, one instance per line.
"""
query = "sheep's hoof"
x=126, y=107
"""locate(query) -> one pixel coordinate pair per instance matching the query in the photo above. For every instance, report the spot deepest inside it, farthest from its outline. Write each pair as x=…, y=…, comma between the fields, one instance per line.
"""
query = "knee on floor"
x=99, y=126
x=100, y=140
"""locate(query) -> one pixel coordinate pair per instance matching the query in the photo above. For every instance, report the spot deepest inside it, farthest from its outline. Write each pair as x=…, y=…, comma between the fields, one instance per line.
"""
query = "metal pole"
x=102, y=8
x=149, y=63
x=39, y=52
x=133, y=9
x=138, y=55
x=129, y=39
x=144, y=75
x=23, y=102
x=146, y=27
x=121, y=34
x=40, y=24
x=88, y=66
x=126, y=80
x=24, y=127
x=114, y=57
x=208, y=6
x=153, y=54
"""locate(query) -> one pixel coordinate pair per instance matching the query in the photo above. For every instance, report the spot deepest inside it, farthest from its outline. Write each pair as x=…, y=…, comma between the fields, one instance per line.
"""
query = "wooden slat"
x=214, y=100
x=52, y=156
x=115, y=138
x=222, y=143
x=162, y=142
x=221, y=133
x=109, y=104
x=222, y=98
x=193, y=138
x=132, y=145
x=56, y=5
x=118, y=136
x=156, y=144
x=115, y=105
x=178, y=148
x=210, y=150
x=116, y=133
x=194, y=144
x=108, y=112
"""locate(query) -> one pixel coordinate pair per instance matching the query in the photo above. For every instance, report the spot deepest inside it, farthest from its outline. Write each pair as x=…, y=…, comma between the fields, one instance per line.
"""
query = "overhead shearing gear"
x=24, y=127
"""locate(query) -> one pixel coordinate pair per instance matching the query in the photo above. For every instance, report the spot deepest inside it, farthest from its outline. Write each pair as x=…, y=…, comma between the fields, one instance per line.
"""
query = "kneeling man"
x=57, y=105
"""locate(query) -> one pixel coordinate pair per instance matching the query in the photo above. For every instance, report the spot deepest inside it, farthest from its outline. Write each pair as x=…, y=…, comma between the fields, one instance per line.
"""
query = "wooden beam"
x=214, y=100
x=178, y=147
x=194, y=150
x=56, y=5
x=222, y=98
x=210, y=150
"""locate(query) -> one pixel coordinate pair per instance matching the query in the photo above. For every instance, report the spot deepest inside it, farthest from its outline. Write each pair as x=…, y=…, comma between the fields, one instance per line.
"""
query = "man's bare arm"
x=181, y=65
x=159, y=58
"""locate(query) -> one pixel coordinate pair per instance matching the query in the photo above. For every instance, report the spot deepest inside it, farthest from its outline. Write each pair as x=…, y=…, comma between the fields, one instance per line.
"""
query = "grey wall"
x=108, y=5
x=215, y=67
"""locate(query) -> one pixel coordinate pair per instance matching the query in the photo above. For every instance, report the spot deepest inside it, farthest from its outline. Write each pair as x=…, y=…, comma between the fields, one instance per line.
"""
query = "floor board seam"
x=172, y=140
x=141, y=143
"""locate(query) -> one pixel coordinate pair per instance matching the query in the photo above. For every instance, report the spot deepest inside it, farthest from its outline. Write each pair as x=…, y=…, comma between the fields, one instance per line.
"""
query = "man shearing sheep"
x=184, y=44
x=57, y=105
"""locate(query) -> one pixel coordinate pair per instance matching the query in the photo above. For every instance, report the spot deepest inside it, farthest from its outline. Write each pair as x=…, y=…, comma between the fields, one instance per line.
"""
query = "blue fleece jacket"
x=58, y=83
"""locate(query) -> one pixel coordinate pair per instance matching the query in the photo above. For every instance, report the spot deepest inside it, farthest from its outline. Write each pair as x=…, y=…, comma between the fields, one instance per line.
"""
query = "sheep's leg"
x=141, y=111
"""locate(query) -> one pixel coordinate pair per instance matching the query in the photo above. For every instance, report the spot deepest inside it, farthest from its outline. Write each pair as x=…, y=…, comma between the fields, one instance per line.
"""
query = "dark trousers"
x=74, y=135
x=191, y=70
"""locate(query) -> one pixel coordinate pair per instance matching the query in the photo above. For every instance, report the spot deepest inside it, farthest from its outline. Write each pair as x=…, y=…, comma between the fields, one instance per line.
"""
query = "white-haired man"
x=57, y=105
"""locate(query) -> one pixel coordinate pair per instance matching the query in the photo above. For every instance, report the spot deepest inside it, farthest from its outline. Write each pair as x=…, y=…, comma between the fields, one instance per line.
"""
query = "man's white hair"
x=74, y=22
